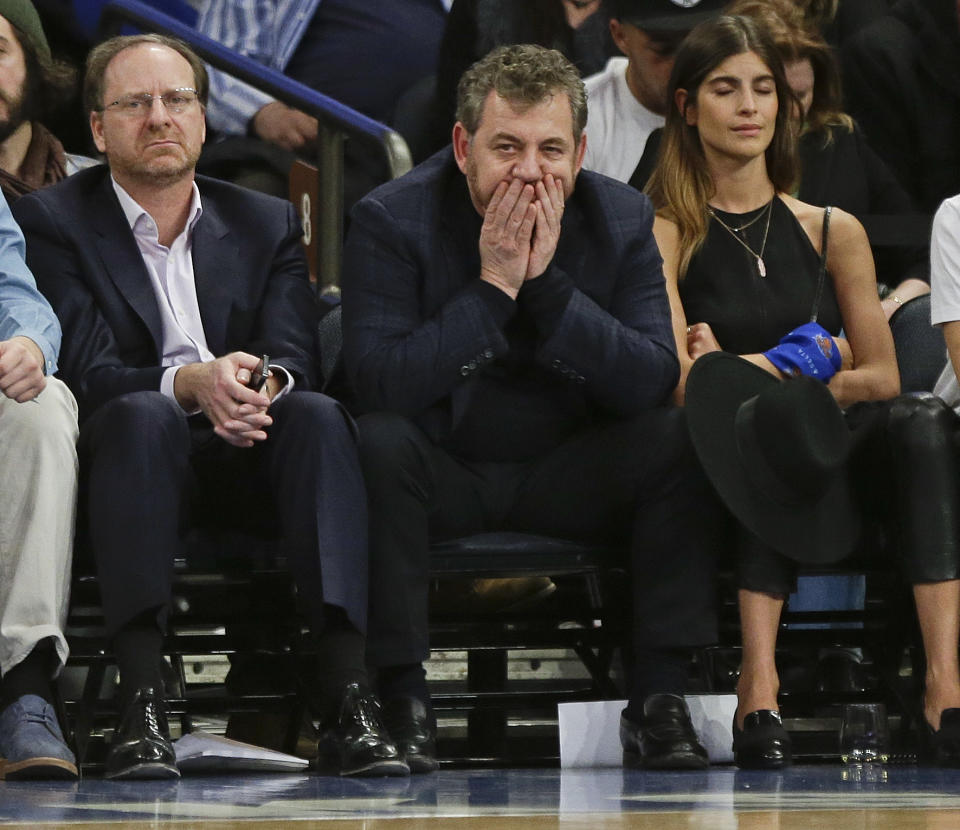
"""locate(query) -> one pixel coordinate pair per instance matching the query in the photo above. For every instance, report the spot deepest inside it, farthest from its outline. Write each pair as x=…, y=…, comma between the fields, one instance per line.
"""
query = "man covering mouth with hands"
x=508, y=336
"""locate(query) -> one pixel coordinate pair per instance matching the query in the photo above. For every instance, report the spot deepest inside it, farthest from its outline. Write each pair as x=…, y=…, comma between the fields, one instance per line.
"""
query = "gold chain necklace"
x=761, y=268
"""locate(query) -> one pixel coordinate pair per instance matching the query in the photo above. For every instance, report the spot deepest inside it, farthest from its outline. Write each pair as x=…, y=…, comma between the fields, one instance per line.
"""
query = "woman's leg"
x=938, y=609
x=920, y=456
x=765, y=579
x=759, y=622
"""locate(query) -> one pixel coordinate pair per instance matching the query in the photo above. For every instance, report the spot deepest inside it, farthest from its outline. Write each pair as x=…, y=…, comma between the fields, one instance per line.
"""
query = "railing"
x=336, y=121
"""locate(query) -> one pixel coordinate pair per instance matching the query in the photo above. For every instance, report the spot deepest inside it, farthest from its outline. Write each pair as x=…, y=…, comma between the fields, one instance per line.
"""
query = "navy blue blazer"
x=419, y=324
x=251, y=277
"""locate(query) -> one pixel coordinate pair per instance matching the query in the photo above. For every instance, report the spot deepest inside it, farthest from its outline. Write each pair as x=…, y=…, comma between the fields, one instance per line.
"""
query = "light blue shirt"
x=24, y=311
x=269, y=32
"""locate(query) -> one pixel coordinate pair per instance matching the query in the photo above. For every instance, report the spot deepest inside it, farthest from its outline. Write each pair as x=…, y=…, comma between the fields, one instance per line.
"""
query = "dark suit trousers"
x=635, y=481
x=149, y=471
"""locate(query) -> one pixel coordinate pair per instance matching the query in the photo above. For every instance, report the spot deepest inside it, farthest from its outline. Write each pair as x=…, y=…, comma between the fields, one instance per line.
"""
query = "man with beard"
x=32, y=83
x=507, y=328
x=169, y=286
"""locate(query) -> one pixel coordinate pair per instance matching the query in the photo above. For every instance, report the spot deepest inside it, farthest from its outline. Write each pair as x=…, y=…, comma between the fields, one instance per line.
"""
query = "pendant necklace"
x=735, y=233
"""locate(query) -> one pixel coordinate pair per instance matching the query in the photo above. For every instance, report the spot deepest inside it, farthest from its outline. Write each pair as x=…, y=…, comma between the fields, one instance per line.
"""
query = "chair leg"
x=96, y=672
x=487, y=726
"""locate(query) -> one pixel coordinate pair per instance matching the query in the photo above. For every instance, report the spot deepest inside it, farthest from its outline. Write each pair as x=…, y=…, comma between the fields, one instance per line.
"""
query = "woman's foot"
x=761, y=742
x=937, y=698
x=940, y=727
x=941, y=746
x=756, y=691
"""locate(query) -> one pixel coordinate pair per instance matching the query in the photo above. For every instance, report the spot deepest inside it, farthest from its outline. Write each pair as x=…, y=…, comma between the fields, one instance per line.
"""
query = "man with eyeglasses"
x=169, y=287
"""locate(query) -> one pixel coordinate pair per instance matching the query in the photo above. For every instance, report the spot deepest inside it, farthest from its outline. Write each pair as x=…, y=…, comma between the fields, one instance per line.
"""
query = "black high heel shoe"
x=941, y=746
x=763, y=743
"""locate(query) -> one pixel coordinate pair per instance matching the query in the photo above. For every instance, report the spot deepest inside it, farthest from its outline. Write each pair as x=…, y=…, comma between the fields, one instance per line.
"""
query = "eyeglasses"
x=139, y=104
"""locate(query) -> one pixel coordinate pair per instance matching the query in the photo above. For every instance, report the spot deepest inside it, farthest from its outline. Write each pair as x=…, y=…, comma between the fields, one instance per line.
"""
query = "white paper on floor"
x=590, y=732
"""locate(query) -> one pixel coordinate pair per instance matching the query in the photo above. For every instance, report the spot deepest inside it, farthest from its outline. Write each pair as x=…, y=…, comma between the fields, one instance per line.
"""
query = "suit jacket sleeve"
x=622, y=351
x=399, y=357
x=90, y=361
x=287, y=316
x=252, y=290
x=403, y=358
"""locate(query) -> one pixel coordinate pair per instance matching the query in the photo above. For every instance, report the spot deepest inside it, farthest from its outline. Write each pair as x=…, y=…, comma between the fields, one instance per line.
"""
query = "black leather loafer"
x=941, y=746
x=358, y=743
x=412, y=729
x=763, y=743
x=141, y=746
x=664, y=739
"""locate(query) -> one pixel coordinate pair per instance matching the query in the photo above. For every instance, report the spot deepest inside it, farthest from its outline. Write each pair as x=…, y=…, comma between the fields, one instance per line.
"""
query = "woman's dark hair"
x=681, y=183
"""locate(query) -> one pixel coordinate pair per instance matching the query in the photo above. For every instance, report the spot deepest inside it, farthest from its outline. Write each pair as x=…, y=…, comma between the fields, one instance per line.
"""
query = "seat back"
x=921, y=349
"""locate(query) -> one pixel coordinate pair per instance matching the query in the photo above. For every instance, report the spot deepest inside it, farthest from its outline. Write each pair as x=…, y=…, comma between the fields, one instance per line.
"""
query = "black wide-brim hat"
x=776, y=453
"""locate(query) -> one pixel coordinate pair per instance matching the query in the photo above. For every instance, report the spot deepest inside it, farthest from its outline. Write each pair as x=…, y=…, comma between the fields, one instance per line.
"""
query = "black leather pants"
x=906, y=469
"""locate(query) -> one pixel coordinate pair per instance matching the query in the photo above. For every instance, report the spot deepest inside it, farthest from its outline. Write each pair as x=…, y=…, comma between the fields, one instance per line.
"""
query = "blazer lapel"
x=217, y=274
x=123, y=262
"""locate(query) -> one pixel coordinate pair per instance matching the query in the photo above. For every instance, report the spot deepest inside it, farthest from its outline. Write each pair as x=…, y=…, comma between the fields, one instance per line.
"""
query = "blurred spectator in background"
x=32, y=85
x=837, y=20
x=902, y=80
x=628, y=99
x=577, y=28
x=838, y=167
x=361, y=53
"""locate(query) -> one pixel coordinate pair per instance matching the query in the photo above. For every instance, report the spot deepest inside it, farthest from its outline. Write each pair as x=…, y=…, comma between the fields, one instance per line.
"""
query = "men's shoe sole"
x=379, y=769
x=144, y=771
x=38, y=768
x=420, y=765
x=676, y=760
x=634, y=760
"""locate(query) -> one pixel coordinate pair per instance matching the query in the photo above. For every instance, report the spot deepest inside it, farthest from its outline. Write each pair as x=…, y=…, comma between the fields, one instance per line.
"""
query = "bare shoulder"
x=666, y=231
x=845, y=228
x=667, y=235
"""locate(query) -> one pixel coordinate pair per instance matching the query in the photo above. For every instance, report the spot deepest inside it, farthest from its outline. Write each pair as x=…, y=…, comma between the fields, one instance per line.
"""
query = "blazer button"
x=556, y=364
x=581, y=379
x=464, y=370
x=488, y=354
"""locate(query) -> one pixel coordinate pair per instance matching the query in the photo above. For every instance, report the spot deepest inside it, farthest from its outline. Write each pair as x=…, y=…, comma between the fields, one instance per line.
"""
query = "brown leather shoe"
x=489, y=596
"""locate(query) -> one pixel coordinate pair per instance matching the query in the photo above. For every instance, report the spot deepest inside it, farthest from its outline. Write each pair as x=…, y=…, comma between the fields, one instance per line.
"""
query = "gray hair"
x=524, y=75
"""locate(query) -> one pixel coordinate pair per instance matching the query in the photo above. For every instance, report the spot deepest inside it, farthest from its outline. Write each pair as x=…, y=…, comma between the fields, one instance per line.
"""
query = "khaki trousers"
x=38, y=491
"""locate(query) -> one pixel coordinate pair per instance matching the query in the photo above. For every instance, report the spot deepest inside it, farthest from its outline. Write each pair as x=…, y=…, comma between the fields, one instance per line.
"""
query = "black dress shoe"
x=141, y=746
x=941, y=746
x=411, y=726
x=664, y=738
x=763, y=743
x=358, y=743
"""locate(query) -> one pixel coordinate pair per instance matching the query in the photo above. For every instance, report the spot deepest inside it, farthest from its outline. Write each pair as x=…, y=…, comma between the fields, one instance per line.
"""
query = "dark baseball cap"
x=665, y=15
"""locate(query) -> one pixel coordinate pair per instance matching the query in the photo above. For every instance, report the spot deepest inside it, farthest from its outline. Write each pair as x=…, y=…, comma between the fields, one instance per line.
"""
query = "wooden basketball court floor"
x=813, y=797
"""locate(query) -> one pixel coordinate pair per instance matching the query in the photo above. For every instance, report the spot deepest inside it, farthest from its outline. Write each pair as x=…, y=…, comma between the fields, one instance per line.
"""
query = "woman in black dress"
x=741, y=260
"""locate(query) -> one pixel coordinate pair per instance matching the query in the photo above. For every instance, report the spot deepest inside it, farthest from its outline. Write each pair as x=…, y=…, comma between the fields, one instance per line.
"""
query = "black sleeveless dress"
x=749, y=313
